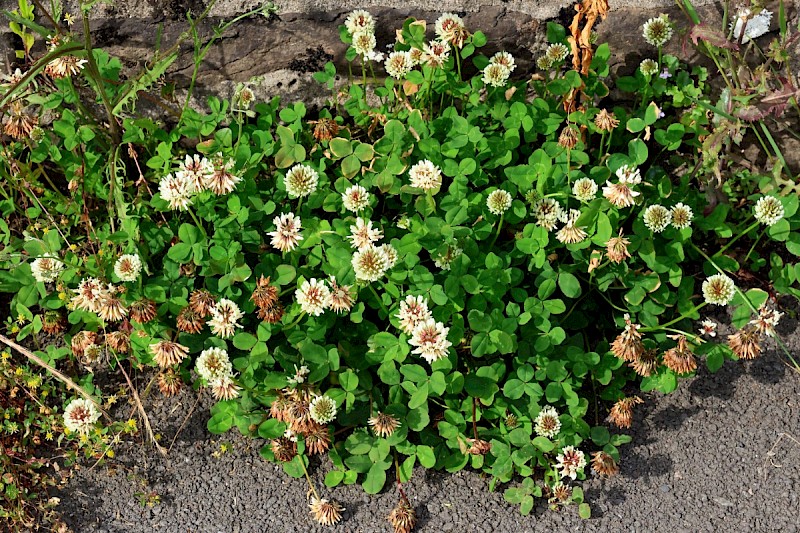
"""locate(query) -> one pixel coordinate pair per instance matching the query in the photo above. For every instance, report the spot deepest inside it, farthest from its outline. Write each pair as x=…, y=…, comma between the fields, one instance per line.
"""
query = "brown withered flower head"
x=318, y=439
x=299, y=416
x=646, y=364
x=617, y=249
x=20, y=123
x=604, y=465
x=190, y=321
x=264, y=295
x=560, y=493
x=273, y=315
x=283, y=449
x=621, y=414
x=118, y=341
x=81, y=340
x=143, y=311
x=384, y=425
x=111, y=308
x=680, y=359
x=746, y=343
x=403, y=517
x=325, y=129
x=168, y=353
x=169, y=382
x=605, y=121
x=201, y=301
x=478, y=446
x=325, y=511
x=279, y=410
x=628, y=344
x=53, y=322
x=568, y=138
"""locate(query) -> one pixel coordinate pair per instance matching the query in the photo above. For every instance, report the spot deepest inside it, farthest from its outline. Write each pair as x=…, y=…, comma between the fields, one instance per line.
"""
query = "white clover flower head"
x=359, y=21
x=398, y=64
x=363, y=235
x=766, y=320
x=390, y=255
x=430, y=339
x=682, y=215
x=547, y=212
x=718, y=289
x=46, y=269
x=128, y=267
x=570, y=461
x=322, y=409
x=300, y=181
x=341, y=297
x=657, y=218
x=355, y=198
x=505, y=59
x=221, y=181
x=754, y=26
x=570, y=233
x=495, y=75
x=769, y=210
x=364, y=43
x=369, y=263
x=629, y=175
x=416, y=56
x=212, y=364
x=658, y=30
x=620, y=194
x=224, y=388
x=425, y=175
x=445, y=260
x=555, y=52
x=435, y=53
x=198, y=170
x=649, y=67
x=413, y=310
x=287, y=232
x=313, y=296
x=547, y=423
x=544, y=63
x=498, y=201
x=708, y=328
x=225, y=316
x=80, y=416
x=89, y=295
x=584, y=189
x=450, y=28
x=177, y=190
x=299, y=375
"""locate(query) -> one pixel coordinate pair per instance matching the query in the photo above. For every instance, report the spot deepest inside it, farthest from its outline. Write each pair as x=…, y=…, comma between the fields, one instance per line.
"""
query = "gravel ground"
x=722, y=453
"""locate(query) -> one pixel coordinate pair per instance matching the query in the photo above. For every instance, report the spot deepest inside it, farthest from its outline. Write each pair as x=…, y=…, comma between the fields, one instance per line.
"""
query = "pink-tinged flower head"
x=362, y=234
x=287, y=232
x=225, y=316
x=198, y=170
x=570, y=461
x=413, y=310
x=430, y=339
x=313, y=296
x=80, y=416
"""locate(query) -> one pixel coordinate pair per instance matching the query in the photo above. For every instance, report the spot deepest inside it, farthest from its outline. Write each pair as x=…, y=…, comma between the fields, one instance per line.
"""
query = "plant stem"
x=197, y=222
x=378, y=298
x=496, y=235
x=675, y=320
x=729, y=243
x=308, y=478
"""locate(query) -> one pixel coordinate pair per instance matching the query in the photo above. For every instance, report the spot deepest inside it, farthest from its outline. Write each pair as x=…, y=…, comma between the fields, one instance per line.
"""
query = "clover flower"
x=318, y=439
x=64, y=66
x=570, y=233
x=398, y=64
x=495, y=74
x=547, y=212
x=708, y=328
x=364, y=43
x=621, y=413
x=283, y=449
x=543, y=63
x=629, y=175
x=413, y=310
x=20, y=123
x=359, y=21
x=80, y=416
x=498, y=201
x=680, y=359
x=435, y=53
x=341, y=298
x=628, y=344
x=213, y=363
x=177, y=190
x=444, y=260
x=201, y=301
x=682, y=215
x=560, y=493
x=46, y=269
x=322, y=409
x=225, y=316
x=547, y=423
x=198, y=170
x=416, y=55
x=169, y=382
x=224, y=388
x=605, y=121
x=556, y=52
x=718, y=289
x=299, y=376
x=753, y=26
x=324, y=511
x=110, y=307
x=425, y=175
x=657, y=31
x=403, y=518
x=570, y=461
x=143, y=311
x=53, y=322
x=300, y=181
x=746, y=343
x=128, y=267
x=222, y=181
x=620, y=194
x=384, y=425
x=189, y=321
x=369, y=263
x=648, y=67
x=168, y=353
x=362, y=234
x=657, y=218
x=88, y=295
x=766, y=320
x=430, y=339
x=569, y=137
x=313, y=296
x=450, y=28
x=769, y=210
x=505, y=59
x=646, y=363
x=604, y=465
x=355, y=198
x=287, y=232
x=584, y=189
x=389, y=253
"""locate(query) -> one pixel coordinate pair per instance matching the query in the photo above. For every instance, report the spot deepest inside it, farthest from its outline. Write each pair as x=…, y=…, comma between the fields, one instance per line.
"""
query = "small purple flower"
x=665, y=74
